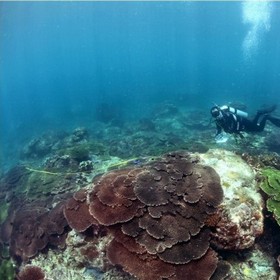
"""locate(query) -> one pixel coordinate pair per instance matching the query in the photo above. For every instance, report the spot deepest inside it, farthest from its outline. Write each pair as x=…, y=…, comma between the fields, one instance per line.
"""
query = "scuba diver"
x=235, y=121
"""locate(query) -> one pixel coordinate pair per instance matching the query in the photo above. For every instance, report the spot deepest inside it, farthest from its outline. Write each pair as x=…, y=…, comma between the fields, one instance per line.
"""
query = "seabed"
x=60, y=171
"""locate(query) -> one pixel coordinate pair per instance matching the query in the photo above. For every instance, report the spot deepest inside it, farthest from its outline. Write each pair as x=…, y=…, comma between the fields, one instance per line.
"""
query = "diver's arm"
x=219, y=135
x=218, y=130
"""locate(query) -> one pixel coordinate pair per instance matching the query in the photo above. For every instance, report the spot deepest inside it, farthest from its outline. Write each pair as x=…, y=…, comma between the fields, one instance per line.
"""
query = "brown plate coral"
x=157, y=216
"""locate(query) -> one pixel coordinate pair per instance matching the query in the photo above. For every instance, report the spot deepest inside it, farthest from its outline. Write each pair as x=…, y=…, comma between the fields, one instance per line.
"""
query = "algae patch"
x=270, y=184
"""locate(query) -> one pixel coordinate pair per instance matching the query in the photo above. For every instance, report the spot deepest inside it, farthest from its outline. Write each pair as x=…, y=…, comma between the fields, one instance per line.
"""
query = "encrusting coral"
x=156, y=215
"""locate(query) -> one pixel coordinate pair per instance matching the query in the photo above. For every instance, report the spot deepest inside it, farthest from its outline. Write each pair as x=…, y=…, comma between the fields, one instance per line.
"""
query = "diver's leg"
x=273, y=120
x=256, y=118
x=261, y=113
x=267, y=110
x=261, y=125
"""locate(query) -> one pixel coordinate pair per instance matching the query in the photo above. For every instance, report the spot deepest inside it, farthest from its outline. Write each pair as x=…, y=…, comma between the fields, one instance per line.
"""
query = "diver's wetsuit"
x=232, y=123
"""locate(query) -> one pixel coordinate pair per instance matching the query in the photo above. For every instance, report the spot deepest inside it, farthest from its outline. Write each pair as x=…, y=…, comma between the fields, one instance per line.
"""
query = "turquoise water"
x=69, y=64
x=92, y=87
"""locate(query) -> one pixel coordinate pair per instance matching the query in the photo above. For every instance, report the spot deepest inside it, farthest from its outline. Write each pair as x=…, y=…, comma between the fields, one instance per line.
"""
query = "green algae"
x=79, y=153
x=7, y=270
x=274, y=206
x=4, y=206
x=271, y=186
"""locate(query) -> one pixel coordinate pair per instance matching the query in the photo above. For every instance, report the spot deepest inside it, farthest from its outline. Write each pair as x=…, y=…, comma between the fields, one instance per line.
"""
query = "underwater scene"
x=140, y=140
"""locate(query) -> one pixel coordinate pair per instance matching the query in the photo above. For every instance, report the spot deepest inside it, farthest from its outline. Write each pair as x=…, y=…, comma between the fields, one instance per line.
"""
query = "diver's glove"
x=221, y=138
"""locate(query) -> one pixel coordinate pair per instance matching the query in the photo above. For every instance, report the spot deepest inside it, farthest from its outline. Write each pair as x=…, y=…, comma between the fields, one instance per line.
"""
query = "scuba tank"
x=234, y=111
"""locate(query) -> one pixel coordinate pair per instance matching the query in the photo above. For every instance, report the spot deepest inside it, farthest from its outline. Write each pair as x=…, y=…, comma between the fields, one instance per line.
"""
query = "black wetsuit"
x=232, y=123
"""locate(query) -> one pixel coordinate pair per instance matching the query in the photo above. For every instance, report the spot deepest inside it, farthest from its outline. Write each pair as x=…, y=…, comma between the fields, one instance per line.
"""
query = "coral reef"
x=149, y=210
x=156, y=215
x=30, y=228
x=262, y=160
x=143, y=227
x=15, y=177
x=81, y=260
x=155, y=212
x=272, y=142
x=241, y=215
x=60, y=162
x=42, y=183
x=85, y=166
x=76, y=211
x=38, y=147
x=31, y=272
x=50, y=142
x=79, y=134
x=78, y=152
x=254, y=264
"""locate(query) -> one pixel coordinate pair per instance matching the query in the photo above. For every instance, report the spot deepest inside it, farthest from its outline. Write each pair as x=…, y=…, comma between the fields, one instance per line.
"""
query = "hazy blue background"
x=60, y=61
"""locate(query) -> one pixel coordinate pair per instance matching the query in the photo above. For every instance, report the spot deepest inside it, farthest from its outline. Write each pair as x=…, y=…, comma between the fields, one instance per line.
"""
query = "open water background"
x=67, y=64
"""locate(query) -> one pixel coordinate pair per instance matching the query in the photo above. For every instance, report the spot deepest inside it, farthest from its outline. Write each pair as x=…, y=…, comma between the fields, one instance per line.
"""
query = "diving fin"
x=275, y=121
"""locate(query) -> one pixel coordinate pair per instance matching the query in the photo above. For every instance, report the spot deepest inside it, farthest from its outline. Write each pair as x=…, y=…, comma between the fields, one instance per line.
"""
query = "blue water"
x=61, y=62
